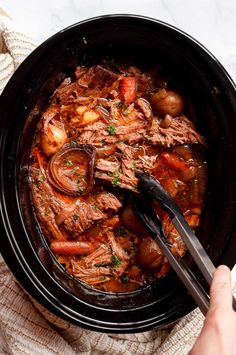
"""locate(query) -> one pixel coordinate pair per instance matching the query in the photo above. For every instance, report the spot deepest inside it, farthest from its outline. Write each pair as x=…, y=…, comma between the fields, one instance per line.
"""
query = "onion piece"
x=145, y=107
x=71, y=170
x=104, y=113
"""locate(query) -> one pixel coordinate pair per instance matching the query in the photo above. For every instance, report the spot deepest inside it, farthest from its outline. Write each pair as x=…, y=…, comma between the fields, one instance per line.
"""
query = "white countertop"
x=211, y=22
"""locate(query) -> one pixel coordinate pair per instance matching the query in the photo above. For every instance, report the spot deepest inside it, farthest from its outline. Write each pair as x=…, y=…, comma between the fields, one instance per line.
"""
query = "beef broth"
x=100, y=126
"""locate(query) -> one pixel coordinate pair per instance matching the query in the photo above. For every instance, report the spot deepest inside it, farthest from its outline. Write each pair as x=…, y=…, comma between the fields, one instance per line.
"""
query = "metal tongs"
x=152, y=189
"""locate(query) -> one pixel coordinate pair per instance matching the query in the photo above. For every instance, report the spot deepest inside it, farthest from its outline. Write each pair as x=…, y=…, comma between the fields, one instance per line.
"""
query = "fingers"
x=220, y=292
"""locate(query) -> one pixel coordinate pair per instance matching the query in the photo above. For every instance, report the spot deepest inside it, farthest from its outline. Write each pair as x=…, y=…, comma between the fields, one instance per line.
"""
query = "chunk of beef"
x=46, y=204
x=178, y=131
x=68, y=93
x=100, y=77
x=130, y=128
x=107, y=166
x=81, y=218
x=118, y=180
x=145, y=107
x=85, y=214
x=95, y=134
x=107, y=201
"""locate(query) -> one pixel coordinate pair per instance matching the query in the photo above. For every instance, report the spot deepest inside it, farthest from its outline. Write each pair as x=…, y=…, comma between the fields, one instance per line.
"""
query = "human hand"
x=218, y=335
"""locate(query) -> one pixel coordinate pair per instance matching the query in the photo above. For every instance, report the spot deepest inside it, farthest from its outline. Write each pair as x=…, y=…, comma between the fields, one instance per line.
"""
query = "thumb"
x=220, y=291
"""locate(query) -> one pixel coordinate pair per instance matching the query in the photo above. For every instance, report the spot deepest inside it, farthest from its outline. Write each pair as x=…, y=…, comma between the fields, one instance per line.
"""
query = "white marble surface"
x=212, y=22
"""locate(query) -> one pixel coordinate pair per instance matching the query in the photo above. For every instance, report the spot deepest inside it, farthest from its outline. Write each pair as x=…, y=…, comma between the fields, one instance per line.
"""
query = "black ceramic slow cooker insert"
x=196, y=72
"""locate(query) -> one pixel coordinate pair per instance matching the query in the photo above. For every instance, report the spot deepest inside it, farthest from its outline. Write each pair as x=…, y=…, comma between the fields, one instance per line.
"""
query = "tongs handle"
x=154, y=189
x=153, y=226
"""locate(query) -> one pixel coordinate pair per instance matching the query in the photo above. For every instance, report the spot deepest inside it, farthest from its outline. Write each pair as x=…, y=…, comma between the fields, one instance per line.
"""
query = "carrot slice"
x=128, y=89
x=69, y=248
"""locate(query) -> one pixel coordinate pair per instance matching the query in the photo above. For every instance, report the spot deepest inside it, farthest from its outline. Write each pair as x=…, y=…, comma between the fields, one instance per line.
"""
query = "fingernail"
x=223, y=267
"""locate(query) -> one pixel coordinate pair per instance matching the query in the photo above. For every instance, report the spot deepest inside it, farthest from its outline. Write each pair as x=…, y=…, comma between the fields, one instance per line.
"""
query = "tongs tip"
x=151, y=186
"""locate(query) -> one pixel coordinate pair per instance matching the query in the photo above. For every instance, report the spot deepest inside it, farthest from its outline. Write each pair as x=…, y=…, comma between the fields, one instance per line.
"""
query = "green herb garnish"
x=120, y=230
x=119, y=104
x=80, y=188
x=75, y=217
x=124, y=278
x=125, y=113
x=115, y=261
x=102, y=278
x=116, y=178
x=46, y=212
x=68, y=162
x=116, y=181
x=111, y=129
x=73, y=142
x=101, y=265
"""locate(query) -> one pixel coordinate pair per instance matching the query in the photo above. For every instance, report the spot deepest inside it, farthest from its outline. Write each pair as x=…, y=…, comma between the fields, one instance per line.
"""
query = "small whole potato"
x=149, y=255
x=167, y=102
x=53, y=139
x=131, y=221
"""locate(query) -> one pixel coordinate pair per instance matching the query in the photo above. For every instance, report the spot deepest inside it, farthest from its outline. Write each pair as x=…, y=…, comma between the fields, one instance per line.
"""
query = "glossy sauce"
x=100, y=127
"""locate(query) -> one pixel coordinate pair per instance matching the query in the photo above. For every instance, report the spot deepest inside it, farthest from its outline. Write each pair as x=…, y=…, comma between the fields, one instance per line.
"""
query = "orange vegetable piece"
x=128, y=89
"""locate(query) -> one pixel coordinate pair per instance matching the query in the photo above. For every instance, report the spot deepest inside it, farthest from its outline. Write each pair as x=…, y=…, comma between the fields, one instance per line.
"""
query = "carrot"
x=40, y=160
x=187, y=172
x=117, y=286
x=111, y=222
x=128, y=89
x=69, y=248
x=174, y=161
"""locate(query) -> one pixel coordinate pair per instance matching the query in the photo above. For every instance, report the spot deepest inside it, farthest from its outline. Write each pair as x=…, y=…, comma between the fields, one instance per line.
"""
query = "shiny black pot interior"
x=193, y=71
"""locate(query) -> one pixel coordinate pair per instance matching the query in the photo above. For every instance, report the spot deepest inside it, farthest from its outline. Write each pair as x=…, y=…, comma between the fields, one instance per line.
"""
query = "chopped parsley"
x=124, y=278
x=115, y=260
x=116, y=181
x=103, y=142
x=73, y=142
x=75, y=170
x=95, y=206
x=80, y=188
x=125, y=113
x=111, y=129
x=116, y=178
x=68, y=162
x=119, y=104
x=120, y=230
x=46, y=212
x=102, y=278
x=104, y=264
x=75, y=217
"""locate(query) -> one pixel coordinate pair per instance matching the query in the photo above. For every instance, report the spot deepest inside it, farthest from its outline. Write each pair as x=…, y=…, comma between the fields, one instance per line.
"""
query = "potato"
x=53, y=139
x=167, y=102
x=89, y=117
x=149, y=254
x=131, y=221
x=81, y=109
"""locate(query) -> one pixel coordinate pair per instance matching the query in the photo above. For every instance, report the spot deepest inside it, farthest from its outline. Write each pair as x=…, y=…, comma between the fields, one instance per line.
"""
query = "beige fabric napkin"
x=28, y=328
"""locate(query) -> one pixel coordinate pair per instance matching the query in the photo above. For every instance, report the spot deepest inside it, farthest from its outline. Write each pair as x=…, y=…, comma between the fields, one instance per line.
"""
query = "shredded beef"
x=107, y=201
x=106, y=165
x=82, y=217
x=180, y=131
